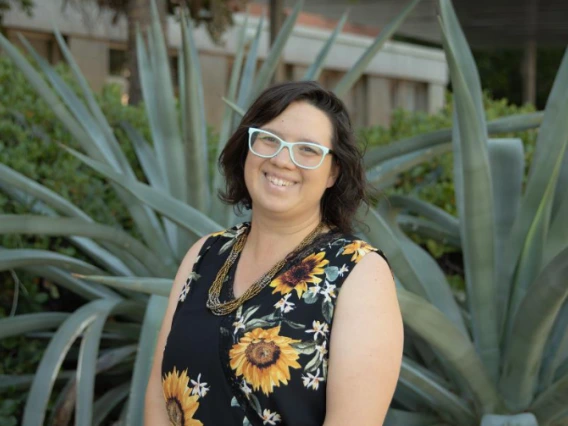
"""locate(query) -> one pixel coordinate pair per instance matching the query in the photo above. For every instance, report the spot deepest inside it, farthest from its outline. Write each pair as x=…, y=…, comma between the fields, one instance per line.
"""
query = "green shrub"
x=29, y=144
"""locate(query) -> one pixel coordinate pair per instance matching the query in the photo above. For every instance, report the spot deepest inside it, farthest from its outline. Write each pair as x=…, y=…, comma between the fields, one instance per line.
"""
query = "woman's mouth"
x=278, y=181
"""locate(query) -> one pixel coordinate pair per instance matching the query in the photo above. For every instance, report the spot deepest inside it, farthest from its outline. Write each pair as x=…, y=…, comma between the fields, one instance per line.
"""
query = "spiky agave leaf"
x=530, y=230
x=357, y=70
x=532, y=326
x=59, y=345
x=474, y=190
x=513, y=123
x=86, y=130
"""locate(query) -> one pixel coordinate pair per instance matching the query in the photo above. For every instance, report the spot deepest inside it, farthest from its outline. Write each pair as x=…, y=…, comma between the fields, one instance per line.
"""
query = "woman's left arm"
x=365, y=346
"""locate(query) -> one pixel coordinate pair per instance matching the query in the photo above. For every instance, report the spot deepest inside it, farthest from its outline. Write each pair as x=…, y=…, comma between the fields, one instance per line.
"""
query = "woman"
x=288, y=320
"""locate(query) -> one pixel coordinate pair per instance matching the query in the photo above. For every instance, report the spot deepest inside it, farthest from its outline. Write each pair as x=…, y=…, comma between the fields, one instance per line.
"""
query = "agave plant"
x=447, y=375
x=502, y=359
x=129, y=278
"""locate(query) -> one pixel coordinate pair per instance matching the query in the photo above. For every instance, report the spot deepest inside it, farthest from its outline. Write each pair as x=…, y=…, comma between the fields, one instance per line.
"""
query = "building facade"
x=400, y=75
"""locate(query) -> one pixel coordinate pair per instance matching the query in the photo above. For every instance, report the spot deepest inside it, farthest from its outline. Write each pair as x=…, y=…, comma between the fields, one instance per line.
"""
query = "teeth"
x=279, y=182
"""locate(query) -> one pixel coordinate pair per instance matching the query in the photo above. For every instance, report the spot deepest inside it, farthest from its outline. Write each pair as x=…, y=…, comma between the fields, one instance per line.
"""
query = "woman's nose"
x=283, y=158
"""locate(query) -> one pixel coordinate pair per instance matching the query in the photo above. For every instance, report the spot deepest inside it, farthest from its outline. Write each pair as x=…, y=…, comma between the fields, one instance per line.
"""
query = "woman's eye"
x=308, y=150
x=269, y=139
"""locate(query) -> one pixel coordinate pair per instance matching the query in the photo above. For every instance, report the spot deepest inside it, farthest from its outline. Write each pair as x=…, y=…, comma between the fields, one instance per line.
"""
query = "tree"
x=24, y=5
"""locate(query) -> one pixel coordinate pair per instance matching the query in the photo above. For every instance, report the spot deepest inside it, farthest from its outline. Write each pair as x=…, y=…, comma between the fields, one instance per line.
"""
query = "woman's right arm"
x=155, y=408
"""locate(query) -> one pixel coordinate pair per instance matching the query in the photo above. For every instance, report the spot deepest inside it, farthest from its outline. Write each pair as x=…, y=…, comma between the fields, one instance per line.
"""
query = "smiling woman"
x=289, y=319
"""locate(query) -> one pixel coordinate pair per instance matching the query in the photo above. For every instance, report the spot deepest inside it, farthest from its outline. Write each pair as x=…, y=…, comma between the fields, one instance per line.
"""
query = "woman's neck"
x=271, y=239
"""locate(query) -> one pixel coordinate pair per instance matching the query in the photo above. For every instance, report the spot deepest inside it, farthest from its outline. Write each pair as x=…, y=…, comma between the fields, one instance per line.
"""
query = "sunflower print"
x=180, y=404
x=264, y=358
x=359, y=249
x=298, y=276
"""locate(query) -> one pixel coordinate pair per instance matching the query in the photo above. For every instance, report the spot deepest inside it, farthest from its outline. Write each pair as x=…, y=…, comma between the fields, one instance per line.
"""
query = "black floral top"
x=266, y=363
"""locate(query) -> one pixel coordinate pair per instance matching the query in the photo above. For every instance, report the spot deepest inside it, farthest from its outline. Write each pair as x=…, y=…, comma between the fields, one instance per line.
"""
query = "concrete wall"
x=215, y=84
x=400, y=75
x=92, y=57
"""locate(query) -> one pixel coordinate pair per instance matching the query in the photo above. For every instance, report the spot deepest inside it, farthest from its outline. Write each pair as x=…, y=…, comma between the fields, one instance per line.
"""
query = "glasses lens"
x=264, y=144
x=308, y=155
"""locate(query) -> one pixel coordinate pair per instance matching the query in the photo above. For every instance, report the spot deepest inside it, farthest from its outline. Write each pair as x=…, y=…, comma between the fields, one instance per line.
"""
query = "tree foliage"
x=24, y=5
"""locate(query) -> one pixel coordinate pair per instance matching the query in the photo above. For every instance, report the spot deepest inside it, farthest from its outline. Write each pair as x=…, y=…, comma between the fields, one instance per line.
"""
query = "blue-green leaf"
x=525, y=419
x=74, y=325
x=247, y=78
x=531, y=328
x=152, y=323
x=530, y=231
x=274, y=55
x=219, y=210
x=407, y=418
x=513, y=123
x=158, y=286
x=22, y=324
x=195, y=135
x=181, y=213
x=457, y=350
x=360, y=66
x=556, y=350
x=20, y=258
x=448, y=405
x=474, y=190
x=551, y=404
x=313, y=72
x=87, y=366
x=106, y=403
x=506, y=157
x=386, y=172
x=40, y=225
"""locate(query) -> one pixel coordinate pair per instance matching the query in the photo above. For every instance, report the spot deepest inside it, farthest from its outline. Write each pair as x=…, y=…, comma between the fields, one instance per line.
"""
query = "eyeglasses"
x=307, y=155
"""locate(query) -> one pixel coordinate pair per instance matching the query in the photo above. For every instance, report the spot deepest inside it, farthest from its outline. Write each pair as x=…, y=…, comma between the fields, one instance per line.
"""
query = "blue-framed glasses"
x=307, y=155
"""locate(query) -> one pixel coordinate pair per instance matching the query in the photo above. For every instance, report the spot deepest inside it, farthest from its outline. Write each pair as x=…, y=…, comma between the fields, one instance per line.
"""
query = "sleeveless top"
x=266, y=363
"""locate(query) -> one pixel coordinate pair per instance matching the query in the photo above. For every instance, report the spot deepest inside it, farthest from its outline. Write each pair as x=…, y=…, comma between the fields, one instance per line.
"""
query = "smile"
x=278, y=181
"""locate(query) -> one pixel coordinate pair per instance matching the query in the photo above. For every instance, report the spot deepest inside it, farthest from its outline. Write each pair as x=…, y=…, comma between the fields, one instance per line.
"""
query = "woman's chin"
x=274, y=205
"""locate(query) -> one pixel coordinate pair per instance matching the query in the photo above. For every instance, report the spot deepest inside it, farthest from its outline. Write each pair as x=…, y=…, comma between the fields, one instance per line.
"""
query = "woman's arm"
x=155, y=408
x=365, y=346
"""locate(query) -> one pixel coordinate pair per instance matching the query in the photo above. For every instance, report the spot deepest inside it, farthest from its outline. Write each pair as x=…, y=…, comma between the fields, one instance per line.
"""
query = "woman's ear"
x=333, y=175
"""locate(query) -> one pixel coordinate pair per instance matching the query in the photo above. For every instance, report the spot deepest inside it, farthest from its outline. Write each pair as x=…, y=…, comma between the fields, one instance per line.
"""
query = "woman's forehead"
x=301, y=121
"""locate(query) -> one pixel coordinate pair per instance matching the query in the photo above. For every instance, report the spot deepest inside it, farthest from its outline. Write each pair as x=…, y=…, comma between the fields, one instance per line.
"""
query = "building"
x=400, y=75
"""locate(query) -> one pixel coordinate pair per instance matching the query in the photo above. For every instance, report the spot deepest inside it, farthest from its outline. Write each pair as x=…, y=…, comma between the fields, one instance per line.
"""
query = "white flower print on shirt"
x=284, y=305
x=239, y=324
x=315, y=289
x=245, y=388
x=322, y=350
x=318, y=328
x=185, y=289
x=199, y=388
x=312, y=380
x=329, y=291
x=269, y=418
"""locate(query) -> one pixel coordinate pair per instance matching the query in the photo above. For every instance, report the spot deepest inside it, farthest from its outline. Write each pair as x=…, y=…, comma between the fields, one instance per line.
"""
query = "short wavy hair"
x=340, y=202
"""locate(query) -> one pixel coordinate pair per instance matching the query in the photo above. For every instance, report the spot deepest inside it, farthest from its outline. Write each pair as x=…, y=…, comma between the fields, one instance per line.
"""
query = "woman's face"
x=279, y=187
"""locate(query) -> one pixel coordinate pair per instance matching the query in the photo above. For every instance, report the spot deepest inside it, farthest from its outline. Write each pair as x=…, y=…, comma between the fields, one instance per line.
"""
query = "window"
x=117, y=63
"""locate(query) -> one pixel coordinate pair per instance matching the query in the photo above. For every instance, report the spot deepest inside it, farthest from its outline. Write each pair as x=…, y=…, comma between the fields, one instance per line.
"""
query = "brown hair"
x=340, y=202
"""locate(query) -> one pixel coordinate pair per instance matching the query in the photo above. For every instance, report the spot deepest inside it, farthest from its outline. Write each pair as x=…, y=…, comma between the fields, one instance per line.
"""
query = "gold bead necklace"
x=224, y=308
